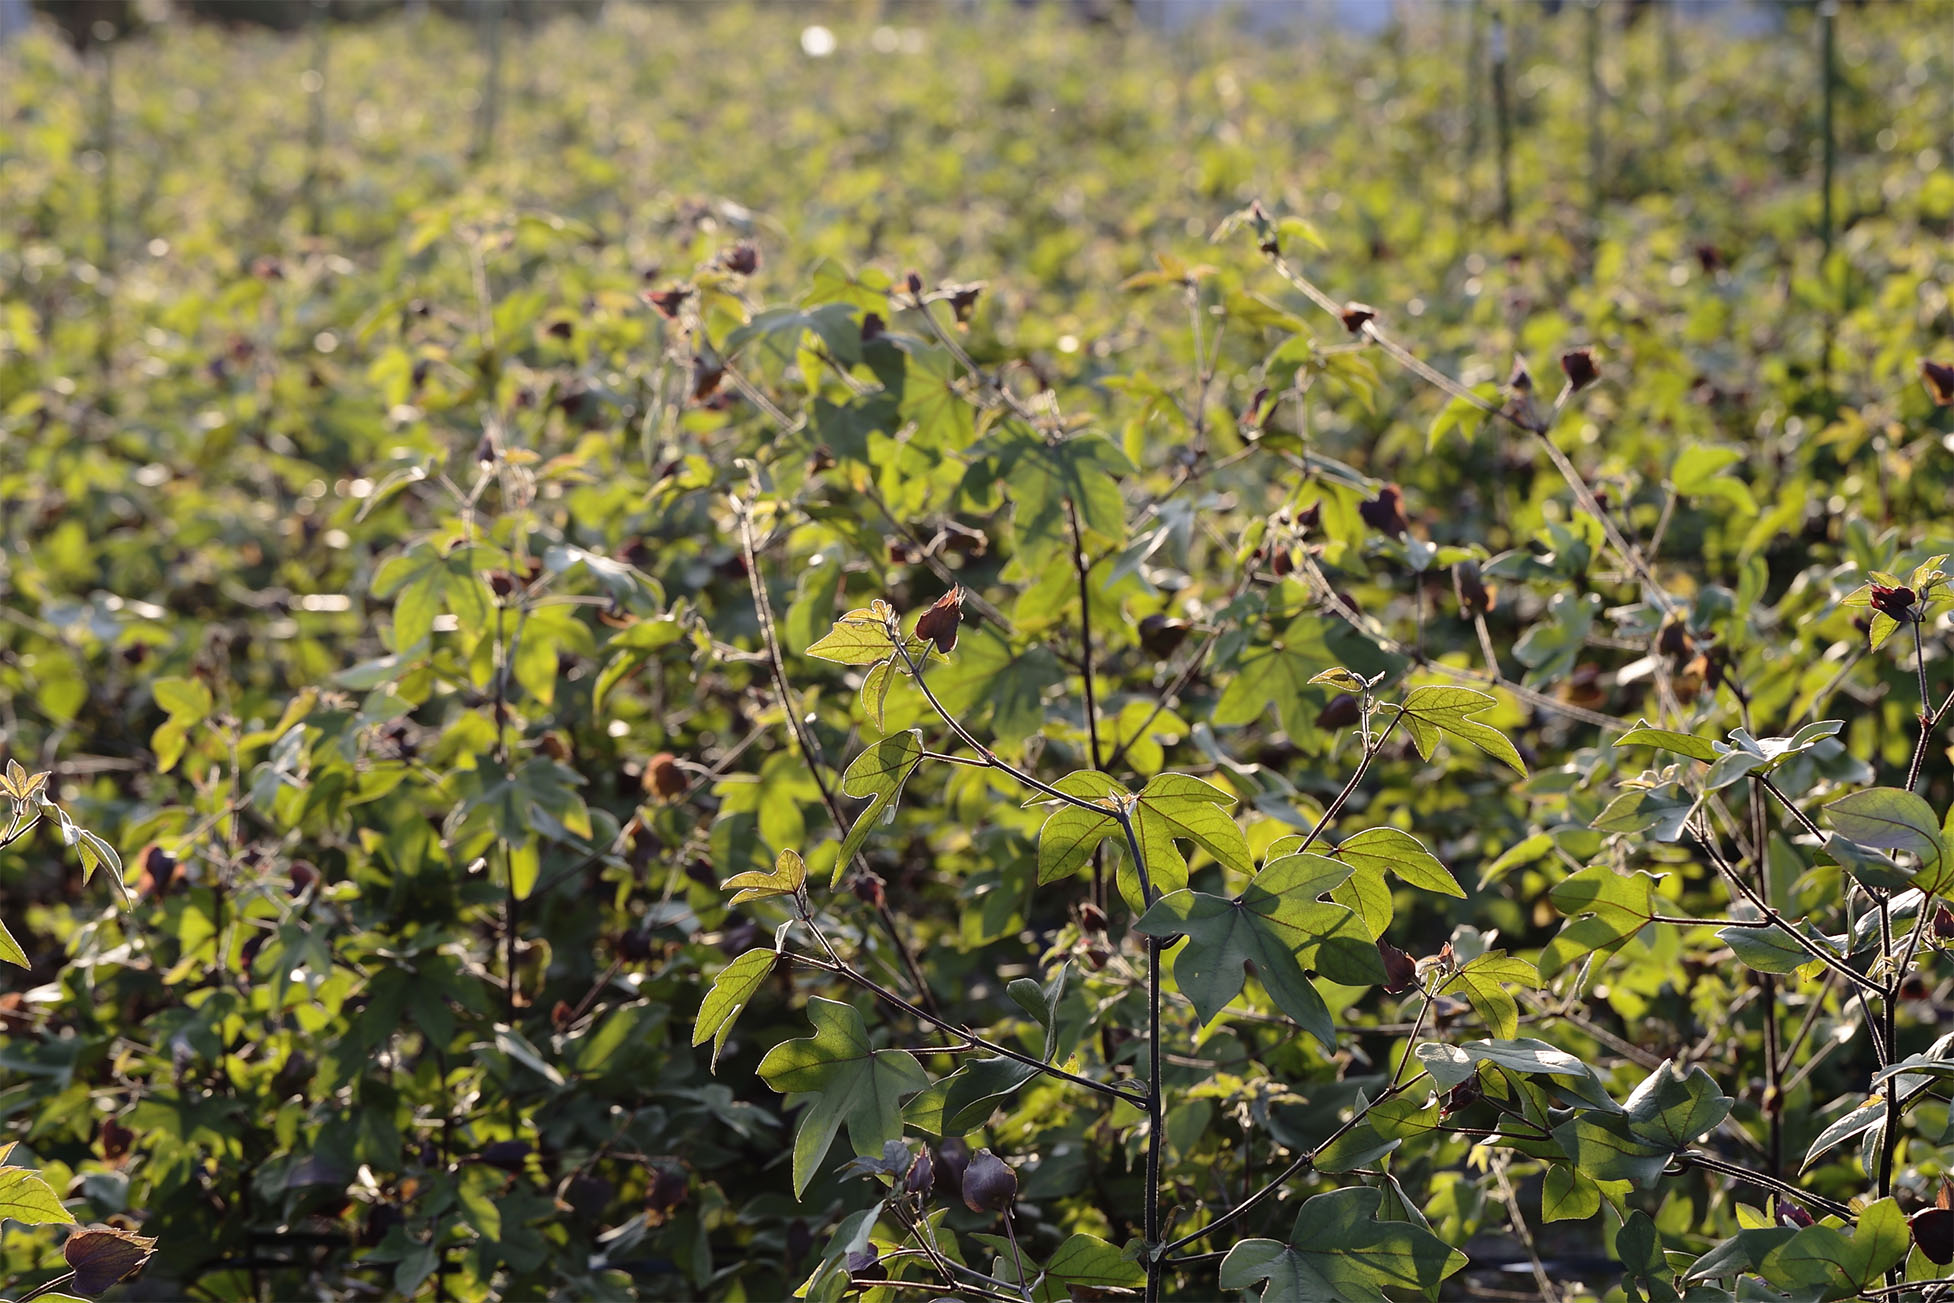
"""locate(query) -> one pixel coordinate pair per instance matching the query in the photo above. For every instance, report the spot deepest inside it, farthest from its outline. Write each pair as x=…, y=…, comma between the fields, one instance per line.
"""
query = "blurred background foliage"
x=289, y=312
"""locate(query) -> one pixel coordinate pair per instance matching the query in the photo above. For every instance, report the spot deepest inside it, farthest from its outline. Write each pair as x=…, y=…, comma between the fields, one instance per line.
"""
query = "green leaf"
x=861, y=637
x=788, y=873
x=1838, y=1266
x=1672, y=1107
x=1746, y=1251
x=1403, y=855
x=849, y=1082
x=990, y=683
x=1279, y=673
x=1855, y=1123
x=1483, y=982
x=877, y=773
x=1683, y=744
x=1767, y=949
x=1604, y=908
x=731, y=990
x=1568, y=1196
x=1279, y=926
x=1451, y=1065
x=1339, y=1253
x=1171, y=808
x=10, y=950
x=1088, y=1262
x=26, y=1197
x=1435, y=709
x=1071, y=833
x=1605, y=1147
x=1658, y=812
x=1179, y=807
x=1049, y=481
x=1893, y=819
x=1461, y=413
x=973, y=1091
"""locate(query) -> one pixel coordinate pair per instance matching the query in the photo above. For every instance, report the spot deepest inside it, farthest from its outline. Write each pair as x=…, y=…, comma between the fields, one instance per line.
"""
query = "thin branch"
x=809, y=745
x=1714, y=1164
x=971, y=1039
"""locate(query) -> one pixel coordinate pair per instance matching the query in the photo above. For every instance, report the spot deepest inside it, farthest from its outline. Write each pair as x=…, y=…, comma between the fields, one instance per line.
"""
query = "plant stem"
x=1092, y=702
x=842, y=969
x=1342, y=798
x=1283, y=1177
x=1714, y=1164
x=1929, y=719
x=1805, y=821
x=810, y=747
x=1805, y=943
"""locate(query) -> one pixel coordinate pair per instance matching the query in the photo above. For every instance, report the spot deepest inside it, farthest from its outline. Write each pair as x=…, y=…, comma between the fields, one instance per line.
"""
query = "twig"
x=809, y=745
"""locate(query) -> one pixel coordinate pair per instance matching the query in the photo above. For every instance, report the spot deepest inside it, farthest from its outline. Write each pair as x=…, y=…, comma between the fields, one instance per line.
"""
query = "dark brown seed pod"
x=1894, y=602
x=922, y=1175
x=1579, y=368
x=668, y=302
x=1343, y=711
x=1475, y=597
x=1939, y=379
x=1385, y=512
x=953, y=1156
x=1400, y=969
x=939, y=623
x=989, y=1184
x=663, y=777
x=1356, y=316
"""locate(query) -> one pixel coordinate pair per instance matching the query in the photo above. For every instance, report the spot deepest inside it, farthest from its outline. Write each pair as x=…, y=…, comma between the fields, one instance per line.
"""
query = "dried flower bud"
x=865, y=1264
x=963, y=301
x=663, y=777
x=1943, y=923
x=1251, y=417
x=1400, y=969
x=1462, y=1096
x=989, y=1184
x=1385, y=512
x=1521, y=379
x=1933, y=1230
x=1578, y=366
x=922, y=1175
x=1674, y=641
x=741, y=259
x=1791, y=1213
x=1894, y=602
x=873, y=327
x=1475, y=598
x=914, y=282
x=868, y=888
x=1939, y=379
x=1356, y=315
x=667, y=302
x=1343, y=711
x=953, y=1156
x=939, y=623
x=705, y=378
x=1162, y=636
x=1092, y=918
